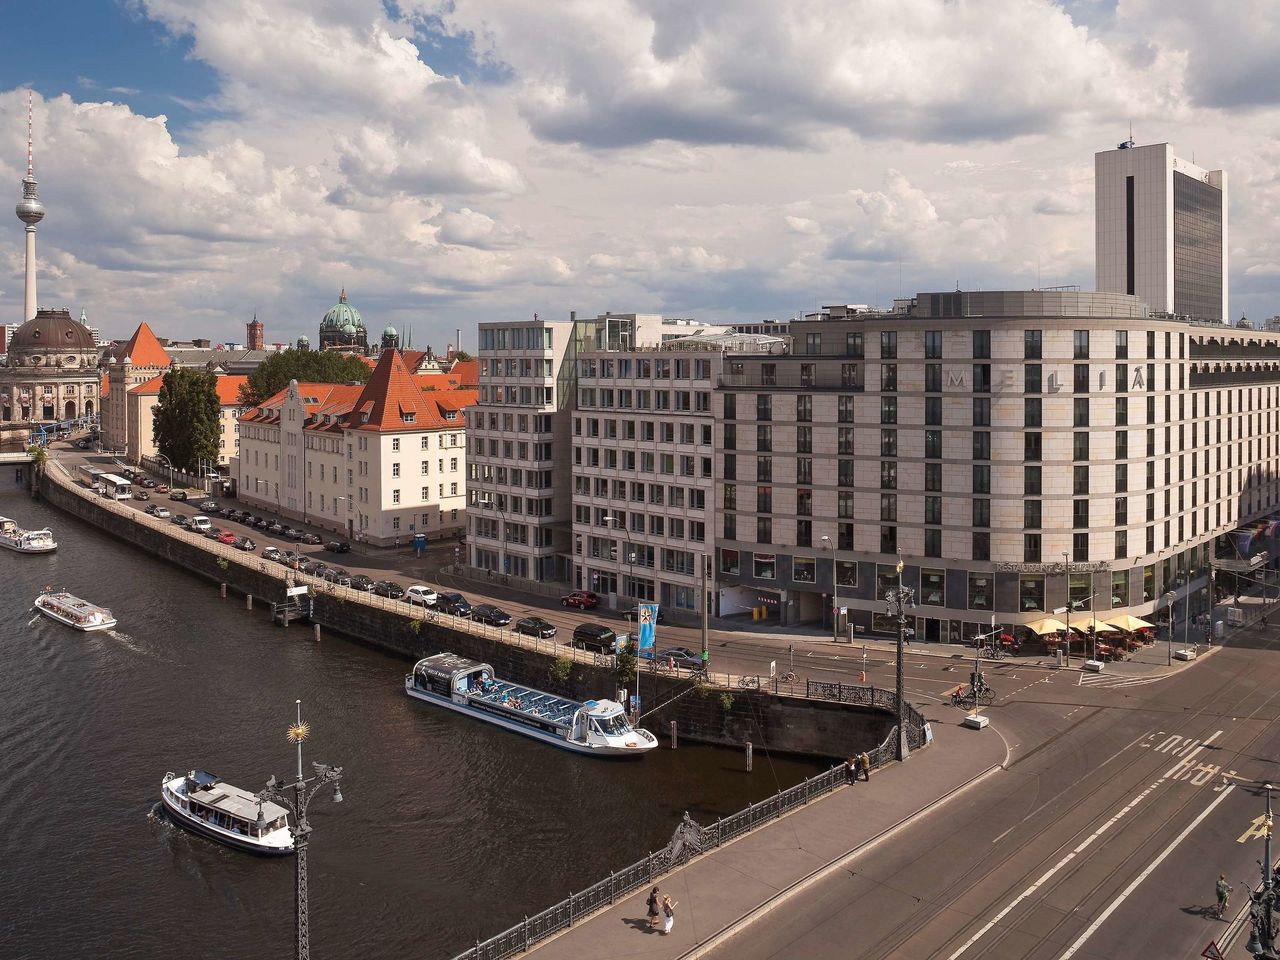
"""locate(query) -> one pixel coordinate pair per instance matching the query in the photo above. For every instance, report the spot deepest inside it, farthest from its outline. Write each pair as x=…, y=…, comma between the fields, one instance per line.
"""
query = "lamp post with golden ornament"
x=275, y=791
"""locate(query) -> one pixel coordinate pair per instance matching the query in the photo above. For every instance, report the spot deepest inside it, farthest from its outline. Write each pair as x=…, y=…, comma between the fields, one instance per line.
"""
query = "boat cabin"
x=219, y=804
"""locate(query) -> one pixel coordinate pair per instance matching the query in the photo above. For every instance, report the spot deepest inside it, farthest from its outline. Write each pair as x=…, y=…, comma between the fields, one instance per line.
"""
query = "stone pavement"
x=718, y=893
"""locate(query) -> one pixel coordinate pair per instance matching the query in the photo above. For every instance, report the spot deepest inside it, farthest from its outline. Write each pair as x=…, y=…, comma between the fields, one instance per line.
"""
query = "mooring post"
x=673, y=734
x=748, y=756
x=248, y=601
x=223, y=591
x=317, y=632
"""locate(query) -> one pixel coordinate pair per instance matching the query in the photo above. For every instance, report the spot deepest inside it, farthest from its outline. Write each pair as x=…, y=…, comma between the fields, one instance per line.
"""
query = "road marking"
x=1260, y=827
x=1084, y=844
x=1114, y=904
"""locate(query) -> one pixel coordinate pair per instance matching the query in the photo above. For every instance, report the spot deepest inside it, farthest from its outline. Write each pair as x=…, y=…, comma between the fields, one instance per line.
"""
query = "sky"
x=449, y=162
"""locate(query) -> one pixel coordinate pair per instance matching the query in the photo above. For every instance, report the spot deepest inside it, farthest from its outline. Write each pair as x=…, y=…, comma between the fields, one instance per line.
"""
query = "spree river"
x=451, y=829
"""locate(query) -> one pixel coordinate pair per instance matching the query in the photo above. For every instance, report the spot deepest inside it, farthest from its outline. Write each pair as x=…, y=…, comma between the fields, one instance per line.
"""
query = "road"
x=1102, y=839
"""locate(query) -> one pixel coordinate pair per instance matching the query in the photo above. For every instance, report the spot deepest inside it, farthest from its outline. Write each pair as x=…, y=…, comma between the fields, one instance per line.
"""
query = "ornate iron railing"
x=688, y=841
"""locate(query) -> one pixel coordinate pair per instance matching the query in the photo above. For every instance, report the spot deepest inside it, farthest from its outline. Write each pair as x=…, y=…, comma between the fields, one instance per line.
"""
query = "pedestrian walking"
x=851, y=767
x=654, y=907
x=864, y=761
x=1224, y=893
x=668, y=914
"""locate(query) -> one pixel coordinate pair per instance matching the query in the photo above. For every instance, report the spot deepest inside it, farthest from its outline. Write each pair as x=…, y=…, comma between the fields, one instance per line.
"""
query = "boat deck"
x=534, y=703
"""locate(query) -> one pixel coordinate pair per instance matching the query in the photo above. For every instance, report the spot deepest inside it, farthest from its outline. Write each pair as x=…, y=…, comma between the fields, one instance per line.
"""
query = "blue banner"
x=648, y=619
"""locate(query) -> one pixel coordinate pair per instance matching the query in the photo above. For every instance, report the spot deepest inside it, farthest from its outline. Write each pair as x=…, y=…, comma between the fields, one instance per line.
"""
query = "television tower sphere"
x=29, y=209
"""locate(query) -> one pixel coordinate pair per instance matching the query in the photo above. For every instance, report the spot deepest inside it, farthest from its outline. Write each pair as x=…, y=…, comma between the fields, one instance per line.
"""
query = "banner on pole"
x=647, y=620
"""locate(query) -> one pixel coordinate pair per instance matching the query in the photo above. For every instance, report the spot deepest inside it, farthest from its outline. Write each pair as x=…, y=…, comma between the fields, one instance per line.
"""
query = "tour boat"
x=13, y=537
x=203, y=804
x=597, y=727
x=74, y=612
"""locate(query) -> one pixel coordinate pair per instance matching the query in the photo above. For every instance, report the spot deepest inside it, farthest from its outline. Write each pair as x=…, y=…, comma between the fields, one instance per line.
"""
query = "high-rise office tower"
x=1161, y=230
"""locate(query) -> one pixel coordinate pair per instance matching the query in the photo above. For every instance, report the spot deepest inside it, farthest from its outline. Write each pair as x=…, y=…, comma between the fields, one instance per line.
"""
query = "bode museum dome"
x=51, y=371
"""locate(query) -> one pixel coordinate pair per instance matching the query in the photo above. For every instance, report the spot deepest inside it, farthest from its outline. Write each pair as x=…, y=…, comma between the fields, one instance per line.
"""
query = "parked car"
x=244, y=543
x=200, y=523
x=338, y=546
x=289, y=559
x=180, y=495
x=361, y=582
x=158, y=511
x=162, y=488
x=420, y=593
x=182, y=520
x=275, y=527
x=82, y=444
x=261, y=523
x=213, y=533
x=595, y=636
x=582, y=599
x=682, y=657
x=227, y=537
x=389, y=589
x=271, y=553
x=309, y=538
x=312, y=566
x=454, y=603
x=291, y=533
x=141, y=494
x=337, y=576
x=536, y=627
x=149, y=483
x=488, y=613
x=210, y=506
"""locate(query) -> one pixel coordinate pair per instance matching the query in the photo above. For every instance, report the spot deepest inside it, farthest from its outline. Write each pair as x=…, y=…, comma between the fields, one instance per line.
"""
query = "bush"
x=560, y=669
x=626, y=667
x=726, y=701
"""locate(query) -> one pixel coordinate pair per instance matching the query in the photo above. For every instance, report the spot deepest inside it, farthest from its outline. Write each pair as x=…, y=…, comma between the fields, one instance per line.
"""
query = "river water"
x=451, y=830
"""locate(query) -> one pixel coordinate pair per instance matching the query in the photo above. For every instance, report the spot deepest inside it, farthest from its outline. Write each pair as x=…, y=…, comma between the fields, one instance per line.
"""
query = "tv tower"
x=30, y=211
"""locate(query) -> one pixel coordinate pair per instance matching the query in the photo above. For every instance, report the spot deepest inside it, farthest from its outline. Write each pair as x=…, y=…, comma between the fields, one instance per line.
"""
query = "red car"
x=582, y=599
x=162, y=488
x=227, y=537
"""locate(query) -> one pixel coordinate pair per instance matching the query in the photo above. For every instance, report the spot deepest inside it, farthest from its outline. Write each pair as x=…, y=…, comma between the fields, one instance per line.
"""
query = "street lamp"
x=835, y=592
x=350, y=522
x=901, y=599
x=300, y=829
x=1262, y=903
x=161, y=456
x=1168, y=600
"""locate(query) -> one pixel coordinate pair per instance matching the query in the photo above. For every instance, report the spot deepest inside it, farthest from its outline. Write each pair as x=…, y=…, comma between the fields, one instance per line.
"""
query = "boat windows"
x=614, y=726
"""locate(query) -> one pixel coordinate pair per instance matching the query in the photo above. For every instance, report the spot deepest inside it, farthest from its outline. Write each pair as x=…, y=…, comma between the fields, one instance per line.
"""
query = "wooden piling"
x=316, y=627
x=223, y=591
x=248, y=601
x=673, y=735
x=748, y=756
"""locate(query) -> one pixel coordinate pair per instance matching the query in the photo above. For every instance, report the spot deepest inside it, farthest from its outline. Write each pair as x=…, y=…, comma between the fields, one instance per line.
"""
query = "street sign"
x=296, y=592
x=773, y=668
x=1211, y=952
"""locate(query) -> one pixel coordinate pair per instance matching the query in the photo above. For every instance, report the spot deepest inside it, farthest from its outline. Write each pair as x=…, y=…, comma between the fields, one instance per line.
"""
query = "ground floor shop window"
x=804, y=570
x=933, y=587
x=1030, y=594
x=883, y=623
x=1120, y=588
x=729, y=562
x=1078, y=590
x=847, y=573
x=1148, y=583
x=886, y=579
x=980, y=591
x=764, y=566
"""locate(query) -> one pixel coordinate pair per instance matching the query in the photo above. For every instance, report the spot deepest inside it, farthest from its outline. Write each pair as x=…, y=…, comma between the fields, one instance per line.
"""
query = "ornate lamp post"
x=1262, y=903
x=901, y=599
x=275, y=792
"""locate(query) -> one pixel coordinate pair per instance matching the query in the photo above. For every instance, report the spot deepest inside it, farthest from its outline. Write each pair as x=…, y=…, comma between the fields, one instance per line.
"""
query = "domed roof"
x=341, y=314
x=349, y=329
x=389, y=332
x=51, y=332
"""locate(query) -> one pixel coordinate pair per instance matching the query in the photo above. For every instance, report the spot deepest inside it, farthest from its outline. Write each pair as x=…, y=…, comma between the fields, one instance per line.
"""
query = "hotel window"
x=1080, y=342
x=888, y=475
x=1032, y=378
x=1080, y=411
x=1080, y=514
x=1122, y=511
x=888, y=508
x=980, y=591
x=1122, y=377
x=982, y=513
x=844, y=440
x=888, y=409
x=847, y=572
x=1122, y=411
x=804, y=536
x=813, y=343
x=933, y=587
x=853, y=344
x=888, y=539
x=933, y=344
x=982, y=344
x=849, y=375
x=1122, y=477
x=804, y=407
x=764, y=469
x=844, y=536
x=731, y=496
x=808, y=376
x=804, y=503
x=933, y=411
x=1032, y=344
x=1031, y=589
x=1031, y=481
x=764, y=499
x=982, y=546
x=933, y=476
x=764, y=438
x=981, y=478
x=1080, y=446
x=730, y=437
x=932, y=509
x=1080, y=547
x=764, y=406
x=1122, y=444
x=804, y=439
x=888, y=345
x=844, y=409
x=889, y=377
x=764, y=566
x=730, y=526
x=731, y=466
x=847, y=473
x=933, y=542
x=1031, y=514
x=1032, y=412
x=981, y=445
x=982, y=411
x=729, y=562
x=768, y=374
x=1122, y=344
x=933, y=378
x=888, y=443
x=1080, y=378
x=982, y=378
x=1080, y=480
x=731, y=406
x=933, y=444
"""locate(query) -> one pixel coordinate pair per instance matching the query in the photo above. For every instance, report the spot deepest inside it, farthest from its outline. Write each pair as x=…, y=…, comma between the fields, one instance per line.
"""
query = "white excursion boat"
x=74, y=612
x=13, y=537
x=598, y=727
x=203, y=804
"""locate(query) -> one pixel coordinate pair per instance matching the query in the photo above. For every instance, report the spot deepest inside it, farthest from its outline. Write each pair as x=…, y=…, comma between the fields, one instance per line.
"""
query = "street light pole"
x=900, y=600
x=835, y=592
x=706, y=602
x=1169, y=599
x=300, y=828
x=1262, y=903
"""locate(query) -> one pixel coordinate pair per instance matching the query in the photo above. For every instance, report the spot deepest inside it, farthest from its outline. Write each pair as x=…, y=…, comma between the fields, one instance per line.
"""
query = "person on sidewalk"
x=851, y=768
x=654, y=911
x=668, y=914
x=864, y=761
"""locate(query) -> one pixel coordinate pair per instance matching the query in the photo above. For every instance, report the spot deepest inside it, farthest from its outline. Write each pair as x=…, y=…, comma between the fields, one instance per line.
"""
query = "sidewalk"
x=718, y=891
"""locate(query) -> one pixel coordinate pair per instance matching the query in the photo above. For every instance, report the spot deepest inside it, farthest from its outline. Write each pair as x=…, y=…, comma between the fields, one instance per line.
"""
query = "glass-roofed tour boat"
x=13, y=537
x=597, y=727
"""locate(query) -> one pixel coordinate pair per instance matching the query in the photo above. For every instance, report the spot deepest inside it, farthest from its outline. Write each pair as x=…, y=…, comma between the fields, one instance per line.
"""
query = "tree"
x=314, y=366
x=187, y=418
x=461, y=356
x=39, y=456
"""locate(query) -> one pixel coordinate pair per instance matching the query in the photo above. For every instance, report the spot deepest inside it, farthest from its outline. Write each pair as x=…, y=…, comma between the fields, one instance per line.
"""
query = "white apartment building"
x=1161, y=226
x=140, y=413
x=378, y=462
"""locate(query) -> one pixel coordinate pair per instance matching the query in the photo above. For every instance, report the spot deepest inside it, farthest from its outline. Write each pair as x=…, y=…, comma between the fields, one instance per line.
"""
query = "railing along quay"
x=689, y=840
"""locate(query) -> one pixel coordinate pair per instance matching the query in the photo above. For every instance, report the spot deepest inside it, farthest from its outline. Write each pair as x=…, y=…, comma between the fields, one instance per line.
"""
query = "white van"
x=201, y=524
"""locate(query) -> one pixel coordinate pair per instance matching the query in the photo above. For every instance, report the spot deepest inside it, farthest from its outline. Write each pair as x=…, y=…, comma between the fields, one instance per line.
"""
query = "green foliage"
x=561, y=669
x=223, y=563
x=626, y=665
x=415, y=625
x=39, y=456
x=461, y=355
x=187, y=418
x=726, y=701
x=315, y=366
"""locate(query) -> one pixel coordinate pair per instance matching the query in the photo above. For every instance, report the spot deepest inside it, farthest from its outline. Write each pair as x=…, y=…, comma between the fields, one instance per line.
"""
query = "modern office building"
x=1018, y=451
x=1161, y=230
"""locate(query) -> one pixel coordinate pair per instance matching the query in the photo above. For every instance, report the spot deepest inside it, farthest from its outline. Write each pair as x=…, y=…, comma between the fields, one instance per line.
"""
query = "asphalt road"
x=1103, y=839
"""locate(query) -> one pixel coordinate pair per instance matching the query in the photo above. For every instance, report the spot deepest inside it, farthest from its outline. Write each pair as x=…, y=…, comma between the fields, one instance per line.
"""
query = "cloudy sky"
x=453, y=161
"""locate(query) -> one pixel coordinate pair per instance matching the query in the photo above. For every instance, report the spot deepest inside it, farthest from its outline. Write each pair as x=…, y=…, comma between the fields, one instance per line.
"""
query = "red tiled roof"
x=150, y=387
x=392, y=392
x=316, y=398
x=228, y=388
x=144, y=350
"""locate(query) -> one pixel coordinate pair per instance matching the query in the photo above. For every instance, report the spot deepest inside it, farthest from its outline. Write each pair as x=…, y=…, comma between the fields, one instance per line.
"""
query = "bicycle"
x=787, y=677
x=749, y=683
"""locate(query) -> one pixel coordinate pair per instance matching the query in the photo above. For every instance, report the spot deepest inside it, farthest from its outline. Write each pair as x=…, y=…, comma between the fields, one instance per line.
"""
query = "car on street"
x=213, y=533
x=227, y=537
x=200, y=523
x=261, y=522
x=361, y=582
x=582, y=599
x=210, y=506
x=182, y=520
x=338, y=546
x=275, y=527
x=82, y=444
x=141, y=494
x=149, y=483
x=244, y=543
x=594, y=636
x=389, y=589
x=488, y=613
x=291, y=533
x=162, y=488
x=422, y=594
x=271, y=553
x=162, y=512
x=455, y=604
x=309, y=538
x=289, y=559
x=682, y=657
x=312, y=566
x=179, y=495
x=337, y=576
x=536, y=627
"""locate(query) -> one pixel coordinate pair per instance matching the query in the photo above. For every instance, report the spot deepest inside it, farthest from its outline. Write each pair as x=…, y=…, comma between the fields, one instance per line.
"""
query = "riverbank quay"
x=723, y=890
x=823, y=719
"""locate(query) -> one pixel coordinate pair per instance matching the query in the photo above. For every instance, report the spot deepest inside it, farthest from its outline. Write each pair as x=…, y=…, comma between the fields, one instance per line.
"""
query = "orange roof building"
x=129, y=365
x=140, y=409
x=379, y=462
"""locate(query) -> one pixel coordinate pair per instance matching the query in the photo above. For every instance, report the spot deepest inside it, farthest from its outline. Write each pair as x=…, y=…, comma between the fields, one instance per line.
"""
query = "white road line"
x=1084, y=844
x=1145, y=873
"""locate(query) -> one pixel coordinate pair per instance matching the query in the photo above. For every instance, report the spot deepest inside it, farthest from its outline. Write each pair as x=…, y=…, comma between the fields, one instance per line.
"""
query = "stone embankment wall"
x=719, y=714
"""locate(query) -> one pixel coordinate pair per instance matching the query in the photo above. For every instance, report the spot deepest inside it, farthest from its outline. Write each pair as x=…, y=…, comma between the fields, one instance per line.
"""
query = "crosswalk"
x=1104, y=680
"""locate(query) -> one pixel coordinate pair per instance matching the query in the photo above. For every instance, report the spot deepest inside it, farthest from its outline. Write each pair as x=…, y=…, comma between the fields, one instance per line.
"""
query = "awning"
x=1084, y=622
x=1046, y=625
x=1246, y=565
x=1130, y=624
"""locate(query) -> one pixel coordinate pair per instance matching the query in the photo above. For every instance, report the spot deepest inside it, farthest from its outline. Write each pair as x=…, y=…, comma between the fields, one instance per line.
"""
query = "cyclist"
x=1224, y=894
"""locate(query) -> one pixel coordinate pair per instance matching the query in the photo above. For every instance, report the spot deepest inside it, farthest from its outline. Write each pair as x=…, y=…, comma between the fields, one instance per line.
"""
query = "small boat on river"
x=74, y=612
x=13, y=537
x=203, y=804
x=597, y=727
